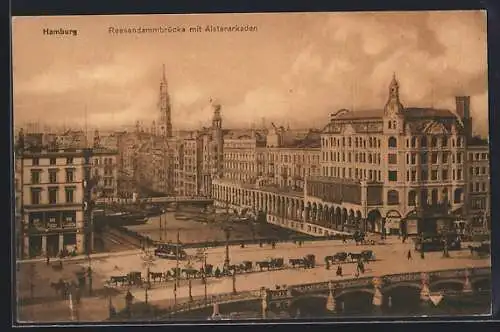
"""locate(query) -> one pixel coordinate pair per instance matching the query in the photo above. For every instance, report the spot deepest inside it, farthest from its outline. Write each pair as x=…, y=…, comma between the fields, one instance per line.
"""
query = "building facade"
x=52, y=184
x=370, y=170
x=379, y=165
x=479, y=193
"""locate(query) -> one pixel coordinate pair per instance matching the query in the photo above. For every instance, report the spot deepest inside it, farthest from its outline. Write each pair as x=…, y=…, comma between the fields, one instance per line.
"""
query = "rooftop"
x=408, y=112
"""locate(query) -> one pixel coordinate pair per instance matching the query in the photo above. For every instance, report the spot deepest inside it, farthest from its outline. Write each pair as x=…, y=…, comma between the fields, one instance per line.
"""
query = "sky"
x=295, y=69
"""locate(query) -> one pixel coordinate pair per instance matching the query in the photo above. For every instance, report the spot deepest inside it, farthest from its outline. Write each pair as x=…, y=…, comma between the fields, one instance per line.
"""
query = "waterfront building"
x=479, y=193
x=375, y=170
x=52, y=198
x=379, y=165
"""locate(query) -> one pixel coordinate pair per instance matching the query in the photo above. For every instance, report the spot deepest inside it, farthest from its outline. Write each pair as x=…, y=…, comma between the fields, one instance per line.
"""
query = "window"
x=424, y=159
x=53, y=175
x=459, y=158
x=70, y=175
x=434, y=175
x=457, y=196
x=434, y=158
x=35, y=177
x=424, y=175
x=392, y=158
x=459, y=174
x=413, y=158
x=69, y=160
x=53, y=195
x=412, y=197
x=36, y=162
x=413, y=176
x=483, y=186
x=445, y=157
x=69, y=195
x=413, y=142
x=444, y=175
x=392, y=197
x=477, y=186
x=393, y=143
x=53, y=161
x=35, y=196
x=444, y=142
x=434, y=142
x=423, y=142
x=483, y=170
x=393, y=175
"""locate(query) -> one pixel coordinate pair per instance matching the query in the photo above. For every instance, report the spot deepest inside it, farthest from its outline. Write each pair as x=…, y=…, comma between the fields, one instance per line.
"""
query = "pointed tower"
x=165, y=122
x=393, y=105
x=217, y=139
x=97, y=139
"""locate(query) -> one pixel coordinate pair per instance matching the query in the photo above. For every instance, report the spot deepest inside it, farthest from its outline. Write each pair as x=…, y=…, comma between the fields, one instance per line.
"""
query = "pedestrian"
x=409, y=255
x=339, y=271
x=48, y=259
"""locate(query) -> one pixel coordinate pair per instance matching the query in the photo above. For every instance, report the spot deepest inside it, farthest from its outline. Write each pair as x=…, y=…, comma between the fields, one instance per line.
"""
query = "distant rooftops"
x=409, y=112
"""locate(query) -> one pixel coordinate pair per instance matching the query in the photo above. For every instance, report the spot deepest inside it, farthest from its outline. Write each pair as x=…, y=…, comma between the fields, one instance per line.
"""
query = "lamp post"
x=446, y=253
x=227, y=232
x=148, y=261
x=89, y=273
x=161, y=231
x=234, y=282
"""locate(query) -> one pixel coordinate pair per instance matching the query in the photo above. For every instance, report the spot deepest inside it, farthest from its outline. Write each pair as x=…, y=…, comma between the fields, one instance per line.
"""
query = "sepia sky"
x=296, y=68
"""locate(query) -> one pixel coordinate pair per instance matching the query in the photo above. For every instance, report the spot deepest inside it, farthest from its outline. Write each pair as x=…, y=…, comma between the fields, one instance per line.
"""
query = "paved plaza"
x=391, y=259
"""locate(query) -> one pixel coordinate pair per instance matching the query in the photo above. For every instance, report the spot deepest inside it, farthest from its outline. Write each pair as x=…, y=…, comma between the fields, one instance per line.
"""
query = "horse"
x=296, y=262
x=338, y=257
x=118, y=279
x=156, y=276
x=355, y=256
x=263, y=264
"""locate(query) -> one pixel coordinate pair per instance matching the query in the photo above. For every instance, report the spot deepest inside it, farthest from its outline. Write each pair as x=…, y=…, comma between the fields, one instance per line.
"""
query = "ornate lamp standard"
x=227, y=232
x=89, y=273
x=234, y=282
x=148, y=261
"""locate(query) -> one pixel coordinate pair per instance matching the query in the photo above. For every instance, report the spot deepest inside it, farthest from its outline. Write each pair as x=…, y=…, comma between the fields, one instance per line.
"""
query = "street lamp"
x=148, y=262
x=89, y=273
x=446, y=253
x=227, y=232
x=234, y=282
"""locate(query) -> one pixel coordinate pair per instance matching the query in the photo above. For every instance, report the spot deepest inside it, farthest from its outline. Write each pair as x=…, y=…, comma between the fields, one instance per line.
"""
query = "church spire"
x=165, y=121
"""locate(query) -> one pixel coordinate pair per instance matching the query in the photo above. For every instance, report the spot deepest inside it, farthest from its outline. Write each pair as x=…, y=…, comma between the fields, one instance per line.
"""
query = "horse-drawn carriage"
x=307, y=262
x=482, y=249
x=339, y=257
x=273, y=263
x=342, y=257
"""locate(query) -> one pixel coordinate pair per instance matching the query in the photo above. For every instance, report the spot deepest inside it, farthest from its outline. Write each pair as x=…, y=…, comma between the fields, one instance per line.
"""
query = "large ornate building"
x=375, y=169
x=379, y=165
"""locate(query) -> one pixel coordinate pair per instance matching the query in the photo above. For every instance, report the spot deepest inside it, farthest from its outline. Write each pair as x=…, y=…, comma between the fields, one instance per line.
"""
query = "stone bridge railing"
x=371, y=283
x=219, y=298
x=153, y=200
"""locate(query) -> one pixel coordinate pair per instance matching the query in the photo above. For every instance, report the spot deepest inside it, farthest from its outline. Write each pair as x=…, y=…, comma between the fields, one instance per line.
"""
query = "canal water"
x=193, y=229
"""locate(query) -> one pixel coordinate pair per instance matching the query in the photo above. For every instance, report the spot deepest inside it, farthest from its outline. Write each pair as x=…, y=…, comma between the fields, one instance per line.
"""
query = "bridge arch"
x=454, y=284
x=481, y=283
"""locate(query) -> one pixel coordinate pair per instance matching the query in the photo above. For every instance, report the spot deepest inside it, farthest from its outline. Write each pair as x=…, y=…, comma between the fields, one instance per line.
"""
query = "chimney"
x=463, y=107
x=463, y=111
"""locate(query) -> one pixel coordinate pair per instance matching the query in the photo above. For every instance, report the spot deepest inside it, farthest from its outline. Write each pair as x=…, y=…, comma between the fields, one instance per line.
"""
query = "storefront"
x=393, y=223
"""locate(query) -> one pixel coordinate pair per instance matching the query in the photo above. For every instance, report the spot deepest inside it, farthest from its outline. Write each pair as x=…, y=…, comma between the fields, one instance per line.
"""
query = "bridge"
x=377, y=290
x=151, y=200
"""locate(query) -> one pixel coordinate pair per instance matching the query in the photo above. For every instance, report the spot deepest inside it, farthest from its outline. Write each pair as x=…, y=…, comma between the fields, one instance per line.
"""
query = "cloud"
x=298, y=70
